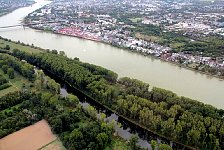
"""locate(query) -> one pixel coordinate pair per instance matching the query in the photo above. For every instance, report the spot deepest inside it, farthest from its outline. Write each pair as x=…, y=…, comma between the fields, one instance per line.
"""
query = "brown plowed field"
x=29, y=138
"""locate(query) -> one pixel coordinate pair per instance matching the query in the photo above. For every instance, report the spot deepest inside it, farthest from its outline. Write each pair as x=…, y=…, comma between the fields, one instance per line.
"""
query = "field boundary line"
x=48, y=144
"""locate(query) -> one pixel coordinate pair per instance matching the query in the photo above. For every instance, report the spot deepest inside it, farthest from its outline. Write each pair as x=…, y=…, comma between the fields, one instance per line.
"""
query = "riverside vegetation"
x=178, y=118
x=39, y=98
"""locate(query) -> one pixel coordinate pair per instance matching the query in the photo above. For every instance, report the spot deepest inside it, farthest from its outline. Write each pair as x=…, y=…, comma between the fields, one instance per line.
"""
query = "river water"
x=157, y=73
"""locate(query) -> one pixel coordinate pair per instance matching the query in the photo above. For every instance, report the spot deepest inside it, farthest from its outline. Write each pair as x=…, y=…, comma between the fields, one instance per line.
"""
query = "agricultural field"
x=30, y=138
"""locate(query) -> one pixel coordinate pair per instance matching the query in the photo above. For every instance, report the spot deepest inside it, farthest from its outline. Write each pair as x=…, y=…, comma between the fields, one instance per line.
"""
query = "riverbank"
x=138, y=52
x=171, y=62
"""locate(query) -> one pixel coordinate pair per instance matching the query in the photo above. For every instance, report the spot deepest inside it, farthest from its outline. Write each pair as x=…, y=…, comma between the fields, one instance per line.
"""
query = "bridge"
x=11, y=26
x=17, y=25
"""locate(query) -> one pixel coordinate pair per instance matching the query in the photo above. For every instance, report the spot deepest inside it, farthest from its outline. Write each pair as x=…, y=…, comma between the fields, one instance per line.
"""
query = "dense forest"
x=77, y=127
x=178, y=118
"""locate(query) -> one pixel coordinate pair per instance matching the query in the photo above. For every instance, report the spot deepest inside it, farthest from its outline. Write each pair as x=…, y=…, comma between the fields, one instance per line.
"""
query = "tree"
x=133, y=143
x=54, y=52
x=2, y=80
x=178, y=130
x=91, y=111
x=217, y=145
x=193, y=136
x=53, y=86
x=2, y=62
x=134, y=110
x=164, y=147
x=221, y=131
x=7, y=47
x=76, y=140
x=153, y=144
x=102, y=140
x=53, y=100
x=10, y=73
x=62, y=53
x=5, y=68
x=73, y=100
x=56, y=124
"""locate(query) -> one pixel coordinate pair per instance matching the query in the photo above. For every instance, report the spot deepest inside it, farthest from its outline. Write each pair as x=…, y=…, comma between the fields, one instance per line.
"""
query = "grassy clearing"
x=176, y=45
x=8, y=90
x=13, y=45
x=135, y=19
x=148, y=37
x=17, y=83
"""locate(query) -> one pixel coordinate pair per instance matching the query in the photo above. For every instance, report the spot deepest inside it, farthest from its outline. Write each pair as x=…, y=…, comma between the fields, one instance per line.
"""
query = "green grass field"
x=135, y=19
x=17, y=83
x=176, y=45
x=13, y=45
x=148, y=37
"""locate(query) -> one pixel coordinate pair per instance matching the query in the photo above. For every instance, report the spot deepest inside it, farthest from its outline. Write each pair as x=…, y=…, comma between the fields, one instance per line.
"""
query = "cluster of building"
x=7, y=6
x=194, y=24
x=95, y=20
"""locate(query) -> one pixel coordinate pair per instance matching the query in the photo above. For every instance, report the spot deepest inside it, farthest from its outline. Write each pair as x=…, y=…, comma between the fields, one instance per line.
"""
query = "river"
x=157, y=73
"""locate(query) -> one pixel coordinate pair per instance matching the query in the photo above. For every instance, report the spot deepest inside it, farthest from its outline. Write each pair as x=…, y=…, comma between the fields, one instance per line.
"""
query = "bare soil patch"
x=30, y=138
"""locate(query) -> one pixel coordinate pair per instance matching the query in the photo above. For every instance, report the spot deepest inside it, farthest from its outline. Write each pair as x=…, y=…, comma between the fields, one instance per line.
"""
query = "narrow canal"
x=127, y=128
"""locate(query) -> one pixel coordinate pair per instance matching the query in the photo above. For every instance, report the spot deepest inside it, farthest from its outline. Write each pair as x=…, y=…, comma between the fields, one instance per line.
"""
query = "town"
x=174, y=32
x=7, y=6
